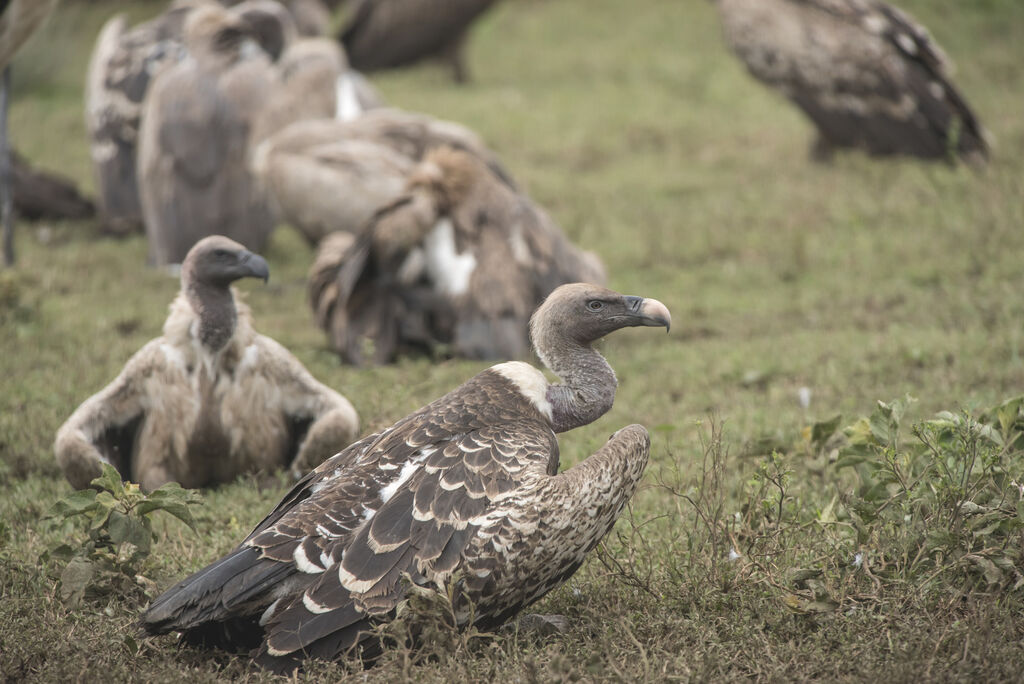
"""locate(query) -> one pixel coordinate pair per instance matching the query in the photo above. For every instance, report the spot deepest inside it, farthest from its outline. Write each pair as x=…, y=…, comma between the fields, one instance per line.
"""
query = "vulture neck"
x=215, y=308
x=587, y=390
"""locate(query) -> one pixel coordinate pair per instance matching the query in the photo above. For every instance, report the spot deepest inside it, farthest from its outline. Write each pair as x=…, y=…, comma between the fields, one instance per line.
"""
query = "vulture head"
x=580, y=314
x=217, y=261
x=562, y=330
x=269, y=23
x=212, y=32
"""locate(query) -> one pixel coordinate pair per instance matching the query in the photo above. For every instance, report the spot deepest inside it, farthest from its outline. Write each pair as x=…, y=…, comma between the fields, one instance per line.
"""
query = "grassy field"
x=859, y=281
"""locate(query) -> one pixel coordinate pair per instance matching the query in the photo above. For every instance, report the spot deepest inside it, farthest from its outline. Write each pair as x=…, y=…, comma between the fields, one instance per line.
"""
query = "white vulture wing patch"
x=449, y=270
x=530, y=382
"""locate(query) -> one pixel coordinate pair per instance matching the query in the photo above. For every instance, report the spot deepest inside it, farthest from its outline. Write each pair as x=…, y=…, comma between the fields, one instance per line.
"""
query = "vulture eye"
x=221, y=254
x=595, y=305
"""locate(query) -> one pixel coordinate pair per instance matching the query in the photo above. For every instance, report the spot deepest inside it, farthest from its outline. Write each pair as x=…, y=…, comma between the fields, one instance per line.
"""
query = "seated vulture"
x=459, y=260
x=462, y=497
x=864, y=72
x=327, y=175
x=209, y=400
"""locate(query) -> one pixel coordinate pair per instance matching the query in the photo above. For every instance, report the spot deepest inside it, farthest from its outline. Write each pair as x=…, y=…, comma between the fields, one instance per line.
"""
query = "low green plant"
x=115, y=517
x=943, y=502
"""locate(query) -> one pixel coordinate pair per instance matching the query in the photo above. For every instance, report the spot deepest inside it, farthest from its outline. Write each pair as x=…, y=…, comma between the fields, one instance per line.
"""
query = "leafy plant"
x=115, y=516
x=945, y=501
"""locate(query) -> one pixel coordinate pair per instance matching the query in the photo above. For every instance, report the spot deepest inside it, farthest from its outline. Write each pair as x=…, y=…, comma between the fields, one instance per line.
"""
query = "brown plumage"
x=326, y=176
x=209, y=400
x=315, y=83
x=383, y=34
x=460, y=259
x=40, y=194
x=309, y=17
x=463, y=494
x=123, y=64
x=864, y=72
x=195, y=138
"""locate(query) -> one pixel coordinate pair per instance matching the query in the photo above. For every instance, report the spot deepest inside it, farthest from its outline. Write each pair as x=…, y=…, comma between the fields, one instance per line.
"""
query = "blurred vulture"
x=314, y=82
x=326, y=176
x=864, y=72
x=383, y=34
x=460, y=259
x=19, y=19
x=309, y=17
x=122, y=65
x=209, y=400
x=42, y=194
x=461, y=498
x=194, y=141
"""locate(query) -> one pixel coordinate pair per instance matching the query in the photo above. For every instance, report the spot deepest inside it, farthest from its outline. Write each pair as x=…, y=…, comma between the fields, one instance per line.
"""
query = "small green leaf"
x=823, y=430
x=110, y=480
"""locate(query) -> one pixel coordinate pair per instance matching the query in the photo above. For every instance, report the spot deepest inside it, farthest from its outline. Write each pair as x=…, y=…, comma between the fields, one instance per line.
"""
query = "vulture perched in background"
x=327, y=176
x=19, y=19
x=383, y=34
x=864, y=72
x=315, y=83
x=460, y=259
x=462, y=497
x=194, y=141
x=122, y=65
x=211, y=399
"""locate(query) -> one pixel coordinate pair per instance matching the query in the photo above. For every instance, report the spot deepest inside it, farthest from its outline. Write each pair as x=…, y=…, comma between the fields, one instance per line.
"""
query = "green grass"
x=861, y=280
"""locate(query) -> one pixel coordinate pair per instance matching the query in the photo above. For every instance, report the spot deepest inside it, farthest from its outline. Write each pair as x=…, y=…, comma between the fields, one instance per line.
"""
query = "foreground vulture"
x=461, y=259
x=211, y=399
x=864, y=72
x=383, y=34
x=325, y=176
x=464, y=495
x=194, y=140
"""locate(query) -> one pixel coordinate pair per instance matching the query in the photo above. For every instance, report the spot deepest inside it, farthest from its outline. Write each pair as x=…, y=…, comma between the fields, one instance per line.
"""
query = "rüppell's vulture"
x=123, y=64
x=325, y=176
x=384, y=34
x=864, y=72
x=462, y=496
x=195, y=136
x=209, y=400
x=460, y=260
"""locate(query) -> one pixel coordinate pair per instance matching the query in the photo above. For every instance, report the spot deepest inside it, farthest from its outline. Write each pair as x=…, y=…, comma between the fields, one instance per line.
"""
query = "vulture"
x=309, y=17
x=194, y=140
x=123, y=63
x=383, y=34
x=315, y=82
x=19, y=19
x=460, y=260
x=40, y=194
x=325, y=176
x=462, y=497
x=863, y=71
x=209, y=400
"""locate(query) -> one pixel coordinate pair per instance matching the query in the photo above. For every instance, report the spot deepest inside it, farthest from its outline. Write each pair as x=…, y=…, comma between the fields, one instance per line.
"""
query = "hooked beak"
x=649, y=312
x=253, y=266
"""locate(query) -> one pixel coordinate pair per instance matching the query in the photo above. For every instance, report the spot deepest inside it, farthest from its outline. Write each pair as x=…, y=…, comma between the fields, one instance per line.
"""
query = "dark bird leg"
x=455, y=54
x=6, y=177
